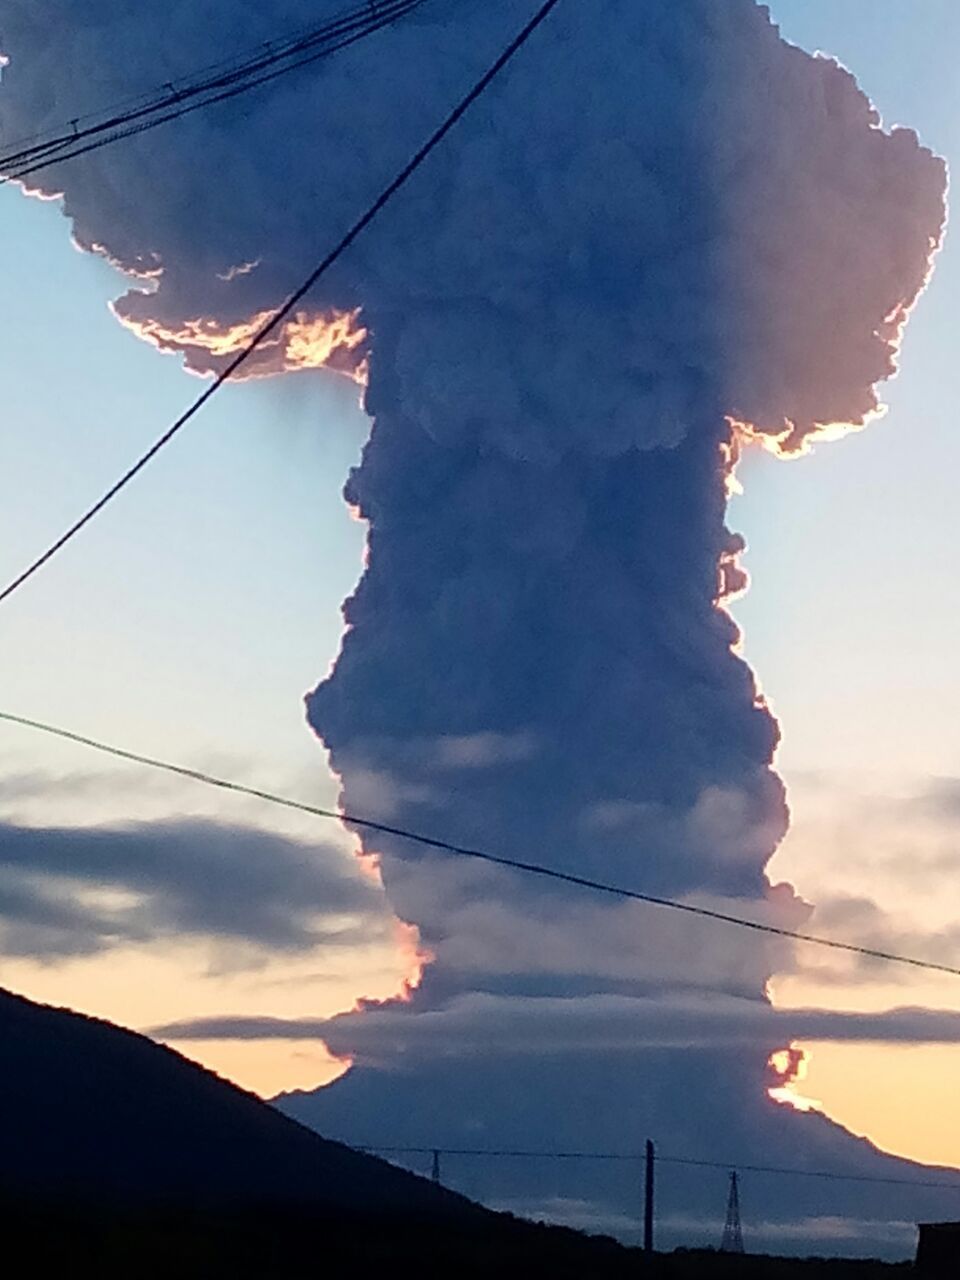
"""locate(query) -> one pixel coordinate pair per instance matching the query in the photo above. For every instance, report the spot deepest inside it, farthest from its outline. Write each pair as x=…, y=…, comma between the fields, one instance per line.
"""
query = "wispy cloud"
x=78, y=891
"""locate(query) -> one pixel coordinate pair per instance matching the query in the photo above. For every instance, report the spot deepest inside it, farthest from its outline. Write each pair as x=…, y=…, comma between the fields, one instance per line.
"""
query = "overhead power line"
x=831, y=1175
x=639, y=1156
x=288, y=307
x=480, y=855
x=181, y=99
x=68, y=129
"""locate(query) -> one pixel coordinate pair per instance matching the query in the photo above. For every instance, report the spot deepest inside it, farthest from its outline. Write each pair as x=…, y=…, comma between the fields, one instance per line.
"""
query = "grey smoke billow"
x=663, y=222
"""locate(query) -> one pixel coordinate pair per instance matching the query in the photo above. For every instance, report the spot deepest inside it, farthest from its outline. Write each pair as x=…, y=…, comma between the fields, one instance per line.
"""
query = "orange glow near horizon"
x=901, y=1097
x=790, y=1066
x=266, y=1067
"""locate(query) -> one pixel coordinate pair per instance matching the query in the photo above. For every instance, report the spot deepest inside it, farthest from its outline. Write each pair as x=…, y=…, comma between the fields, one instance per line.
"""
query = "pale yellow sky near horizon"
x=864, y=697
x=835, y=845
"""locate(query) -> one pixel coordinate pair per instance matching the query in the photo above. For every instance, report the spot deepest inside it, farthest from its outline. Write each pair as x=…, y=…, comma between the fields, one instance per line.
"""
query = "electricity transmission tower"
x=732, y=1241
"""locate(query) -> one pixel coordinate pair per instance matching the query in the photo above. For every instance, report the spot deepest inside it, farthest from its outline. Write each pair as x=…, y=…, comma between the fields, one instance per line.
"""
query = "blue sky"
x=239, y=529
x=208, y=595
x=853, y=623
x=192, y=616
x=853, y=619
x=188, y=624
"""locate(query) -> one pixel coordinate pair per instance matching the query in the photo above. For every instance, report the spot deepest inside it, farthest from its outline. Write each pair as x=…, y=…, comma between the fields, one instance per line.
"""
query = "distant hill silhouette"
x=120, y=1158
x=92, y=1112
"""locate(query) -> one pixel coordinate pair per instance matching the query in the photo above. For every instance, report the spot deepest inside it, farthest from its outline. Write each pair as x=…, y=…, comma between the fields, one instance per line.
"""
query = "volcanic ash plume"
x=664, y=230
x=667, y=220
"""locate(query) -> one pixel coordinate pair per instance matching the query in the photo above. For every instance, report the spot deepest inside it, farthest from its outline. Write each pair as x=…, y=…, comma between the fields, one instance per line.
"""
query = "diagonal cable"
x=179, y=102
x=480, y=855
x=639, y=1156
x=285, y=310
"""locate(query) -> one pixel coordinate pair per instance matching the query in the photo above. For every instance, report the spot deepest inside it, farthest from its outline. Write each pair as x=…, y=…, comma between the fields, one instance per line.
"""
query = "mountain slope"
x=612, y=1101
x=89, y=1112
x=121, y=1158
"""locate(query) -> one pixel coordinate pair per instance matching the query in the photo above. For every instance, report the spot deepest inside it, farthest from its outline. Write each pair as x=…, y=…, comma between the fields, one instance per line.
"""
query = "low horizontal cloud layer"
x=475, y=1025
x=661, y=228
x=77, y=891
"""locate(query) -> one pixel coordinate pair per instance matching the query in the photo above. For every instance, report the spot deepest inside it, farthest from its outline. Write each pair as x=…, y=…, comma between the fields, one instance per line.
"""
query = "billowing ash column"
x=689, y=234
x=664, y=231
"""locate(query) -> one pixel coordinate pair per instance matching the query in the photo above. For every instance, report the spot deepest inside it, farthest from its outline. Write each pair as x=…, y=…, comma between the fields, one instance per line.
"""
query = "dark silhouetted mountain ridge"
x=119, y=1157
x=92, y=1112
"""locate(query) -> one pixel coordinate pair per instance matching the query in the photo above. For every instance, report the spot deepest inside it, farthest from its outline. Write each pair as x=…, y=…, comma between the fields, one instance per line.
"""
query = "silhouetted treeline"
x=121, y=1159
x=272, y=1244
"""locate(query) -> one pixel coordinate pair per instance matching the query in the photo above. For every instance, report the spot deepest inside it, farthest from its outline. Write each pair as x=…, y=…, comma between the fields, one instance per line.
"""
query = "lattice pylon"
x=732, y=1241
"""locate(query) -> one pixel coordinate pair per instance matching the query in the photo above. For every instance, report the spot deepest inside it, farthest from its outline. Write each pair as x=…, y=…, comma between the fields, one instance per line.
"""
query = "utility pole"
x=435, y=1174
x=732, y=1241
x=648, y=1199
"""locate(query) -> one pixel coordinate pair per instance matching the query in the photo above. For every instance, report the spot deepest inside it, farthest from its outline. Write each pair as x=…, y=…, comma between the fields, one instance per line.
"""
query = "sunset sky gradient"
x=190, y=620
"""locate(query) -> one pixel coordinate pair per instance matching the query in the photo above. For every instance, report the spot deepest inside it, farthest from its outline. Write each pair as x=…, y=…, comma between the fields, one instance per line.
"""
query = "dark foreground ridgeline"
x=272, y=1244
x=93, y=1112
x=120, y=1158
